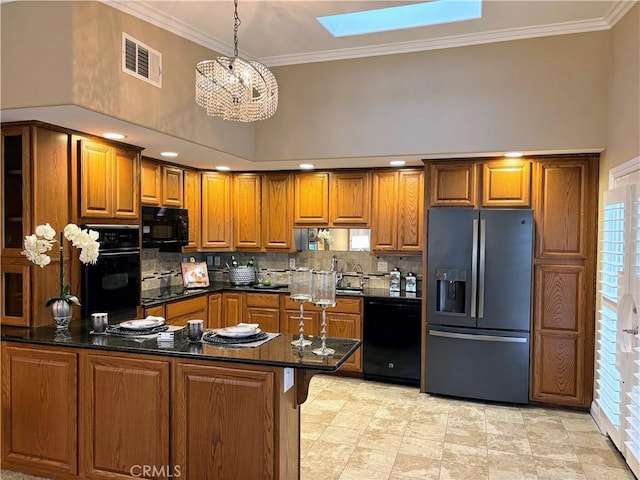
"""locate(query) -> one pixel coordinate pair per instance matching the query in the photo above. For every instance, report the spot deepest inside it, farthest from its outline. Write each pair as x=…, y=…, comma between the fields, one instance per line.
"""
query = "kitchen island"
x=78, y=405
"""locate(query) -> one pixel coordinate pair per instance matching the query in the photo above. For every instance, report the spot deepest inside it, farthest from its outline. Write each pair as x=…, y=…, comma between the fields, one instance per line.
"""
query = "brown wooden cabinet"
x=124, y=400
x=108, y=181
x=39, y=410
x=263, y=309
x=247, y=211
x=177, y=313
x=217, y=225
x=192, y=202
x=398, y=211
x=161, y=184
x=343, y=321
x=214, y=316
x=501, y=183
x=232, y=308
x=277, y=211
x=350, y=199
x=36, y=189
x=311, y=204
x=237, y=438
x=565, y=203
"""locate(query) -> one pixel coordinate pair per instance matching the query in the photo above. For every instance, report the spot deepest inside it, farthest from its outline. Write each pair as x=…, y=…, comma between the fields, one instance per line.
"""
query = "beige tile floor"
x=358, y=430
x=354, y=429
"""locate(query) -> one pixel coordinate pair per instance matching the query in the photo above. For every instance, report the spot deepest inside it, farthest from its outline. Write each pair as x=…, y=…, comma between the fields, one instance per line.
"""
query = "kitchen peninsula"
x=78, y=405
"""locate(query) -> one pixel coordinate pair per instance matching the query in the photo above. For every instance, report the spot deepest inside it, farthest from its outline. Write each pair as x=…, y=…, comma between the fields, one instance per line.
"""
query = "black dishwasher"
x=391, y=340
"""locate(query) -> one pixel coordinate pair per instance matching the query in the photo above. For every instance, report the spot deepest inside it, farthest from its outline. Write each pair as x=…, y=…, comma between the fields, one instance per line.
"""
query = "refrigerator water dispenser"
x=451, y=285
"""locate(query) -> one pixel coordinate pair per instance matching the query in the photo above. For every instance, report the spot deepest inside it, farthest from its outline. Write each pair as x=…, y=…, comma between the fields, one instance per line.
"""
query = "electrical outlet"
x=216, y=261
x=383, y=266
x=209, y=260
x=292, y=263
x=288, y=379
x=185, y=259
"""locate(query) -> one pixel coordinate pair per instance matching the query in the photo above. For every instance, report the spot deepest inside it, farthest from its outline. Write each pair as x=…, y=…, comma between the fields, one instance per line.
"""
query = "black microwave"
x=165, y=228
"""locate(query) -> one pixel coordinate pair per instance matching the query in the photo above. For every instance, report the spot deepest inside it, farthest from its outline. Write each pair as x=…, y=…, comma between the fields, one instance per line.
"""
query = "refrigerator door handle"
x=481, y=267
x=474, y=267
x=480, y=338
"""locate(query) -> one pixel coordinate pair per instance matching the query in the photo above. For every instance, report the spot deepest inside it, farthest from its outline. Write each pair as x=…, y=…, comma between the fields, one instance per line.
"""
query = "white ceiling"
x=286, y=32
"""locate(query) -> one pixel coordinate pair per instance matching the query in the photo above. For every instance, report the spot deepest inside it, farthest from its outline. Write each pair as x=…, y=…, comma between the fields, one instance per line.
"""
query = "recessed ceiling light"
x=114, y=136
x=397, y=163
x=169, y=154
x=307, y=166
x=223, y=168
x=513, y=154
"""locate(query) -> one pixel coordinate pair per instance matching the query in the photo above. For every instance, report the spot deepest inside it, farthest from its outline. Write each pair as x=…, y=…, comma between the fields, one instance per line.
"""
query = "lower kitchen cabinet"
x=214, y=315
x=124, y=425
x=346, y=325
x=235, y=439
x=290, y=322
x=39, y=410
x=177, y=313
x=232, y=308
x=263, y=309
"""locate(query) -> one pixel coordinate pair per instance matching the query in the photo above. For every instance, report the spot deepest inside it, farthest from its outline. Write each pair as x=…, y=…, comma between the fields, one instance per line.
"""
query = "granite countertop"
x=276, y=352
x=159, y=296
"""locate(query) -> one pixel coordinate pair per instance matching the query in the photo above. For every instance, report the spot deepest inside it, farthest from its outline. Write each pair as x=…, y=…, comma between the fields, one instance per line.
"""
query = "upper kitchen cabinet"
x=311, y=193
x=247, y=211
x=161, y=185
x=108, y=181
x=277, y=211
x=35, y=190
x=398, y=211
x=350, y=202
x=503, y=183
x=217, y=224
x=192, y=202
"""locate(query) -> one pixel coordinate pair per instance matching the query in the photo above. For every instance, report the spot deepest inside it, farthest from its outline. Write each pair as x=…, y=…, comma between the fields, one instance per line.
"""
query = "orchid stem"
x=61, y=264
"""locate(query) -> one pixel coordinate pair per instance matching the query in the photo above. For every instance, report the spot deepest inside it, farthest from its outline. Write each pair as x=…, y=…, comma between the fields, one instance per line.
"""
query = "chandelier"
x=236, y=89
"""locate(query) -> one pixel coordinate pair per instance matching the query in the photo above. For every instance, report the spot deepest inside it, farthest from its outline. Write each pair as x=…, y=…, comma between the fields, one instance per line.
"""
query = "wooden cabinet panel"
x=267, y=318
x=267, y=300
x=236, y=439
x=151, y=183
x=277, y=211
x=558, y=374
x=453, y=184
x=290, y=322
x=311, y=205
x=15, y=292
x=126, y=203
x=232, y=308
x=39, y=409
x=177, y=313
x=216, y=211
x=384, y=224
x=172, y=187
x=214, y=317
x=506, y=183
x=346, y=325
x=350, y=200
x=157, y=311
x=247, y=222
x=125, y=414
x=410, y=210
x=562, y=209
x=96, y=197
x=192, y=203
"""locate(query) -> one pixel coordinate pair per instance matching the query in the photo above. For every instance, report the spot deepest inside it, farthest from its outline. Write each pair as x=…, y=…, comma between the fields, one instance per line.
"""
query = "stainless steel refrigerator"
x=479, y=265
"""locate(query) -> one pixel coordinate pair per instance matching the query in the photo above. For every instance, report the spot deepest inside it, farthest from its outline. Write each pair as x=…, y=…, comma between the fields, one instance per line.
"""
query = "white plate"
x=141, y=324
x=238, y=331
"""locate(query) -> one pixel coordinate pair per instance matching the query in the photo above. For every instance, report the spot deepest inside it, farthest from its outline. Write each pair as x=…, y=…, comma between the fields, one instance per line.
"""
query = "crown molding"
x=144, y=11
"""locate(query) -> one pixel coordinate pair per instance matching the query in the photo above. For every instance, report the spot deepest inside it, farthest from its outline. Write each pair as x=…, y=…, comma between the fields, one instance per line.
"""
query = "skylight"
x=399, y=18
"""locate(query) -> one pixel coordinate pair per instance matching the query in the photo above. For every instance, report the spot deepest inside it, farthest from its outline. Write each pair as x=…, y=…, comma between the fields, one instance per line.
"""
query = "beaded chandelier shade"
x=236, y=89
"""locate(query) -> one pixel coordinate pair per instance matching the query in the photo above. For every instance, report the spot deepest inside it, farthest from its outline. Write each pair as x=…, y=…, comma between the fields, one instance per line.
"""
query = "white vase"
x=61, y=311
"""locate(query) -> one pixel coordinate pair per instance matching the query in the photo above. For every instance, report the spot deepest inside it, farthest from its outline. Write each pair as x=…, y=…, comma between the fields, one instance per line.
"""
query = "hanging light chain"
x=236, y=25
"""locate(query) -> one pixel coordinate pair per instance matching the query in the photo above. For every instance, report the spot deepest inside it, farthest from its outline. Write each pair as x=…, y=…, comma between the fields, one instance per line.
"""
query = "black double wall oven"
x=112, y=285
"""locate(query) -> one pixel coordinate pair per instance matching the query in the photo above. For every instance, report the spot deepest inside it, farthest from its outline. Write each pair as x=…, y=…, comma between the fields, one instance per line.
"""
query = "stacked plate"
x=139, y=327
x=240, y=333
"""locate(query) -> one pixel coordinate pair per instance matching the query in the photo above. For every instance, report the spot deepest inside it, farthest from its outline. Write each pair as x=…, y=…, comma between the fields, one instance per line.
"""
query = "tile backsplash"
x=161, y=269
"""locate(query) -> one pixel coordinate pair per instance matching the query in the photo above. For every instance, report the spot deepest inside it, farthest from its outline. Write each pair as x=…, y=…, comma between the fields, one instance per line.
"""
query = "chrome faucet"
x=334, y=264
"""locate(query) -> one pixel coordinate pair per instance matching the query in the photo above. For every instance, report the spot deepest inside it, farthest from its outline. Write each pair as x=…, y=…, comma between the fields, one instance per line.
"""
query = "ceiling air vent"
x=141, y=61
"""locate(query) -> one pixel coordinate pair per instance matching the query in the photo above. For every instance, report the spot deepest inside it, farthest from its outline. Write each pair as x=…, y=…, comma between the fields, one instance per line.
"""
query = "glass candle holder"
x=301, y=292
x=324, y=295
